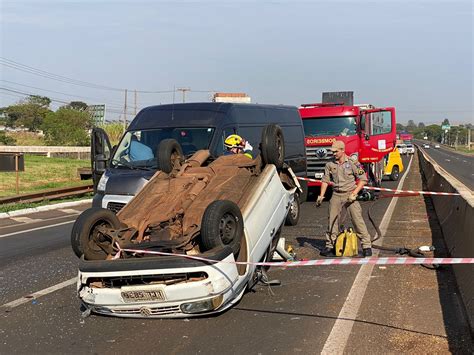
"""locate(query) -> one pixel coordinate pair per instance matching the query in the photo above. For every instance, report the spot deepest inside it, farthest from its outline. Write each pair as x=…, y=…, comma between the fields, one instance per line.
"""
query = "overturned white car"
x=223, y=210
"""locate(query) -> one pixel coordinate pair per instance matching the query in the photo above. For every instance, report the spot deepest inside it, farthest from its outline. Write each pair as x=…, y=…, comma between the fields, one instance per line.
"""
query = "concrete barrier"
x=49, y=151
x=456, y=217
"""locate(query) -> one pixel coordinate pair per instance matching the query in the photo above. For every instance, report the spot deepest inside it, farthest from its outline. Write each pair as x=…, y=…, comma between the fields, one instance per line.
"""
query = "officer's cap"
x=338, y=145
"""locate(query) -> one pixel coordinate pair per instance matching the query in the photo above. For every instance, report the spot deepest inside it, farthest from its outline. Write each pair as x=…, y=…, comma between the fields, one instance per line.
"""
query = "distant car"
x=426, y=146
x=410, y=149
x=402, y=148
x=437, y=146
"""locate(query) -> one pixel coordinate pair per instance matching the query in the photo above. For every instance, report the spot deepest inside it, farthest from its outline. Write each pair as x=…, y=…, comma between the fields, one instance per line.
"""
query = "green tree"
x=29, y=113
x=78, y=105
x=114, y=131
x=400, y=128
x=67, y=126
x=421, y=125
x=434, y=132
x=411, y=126
x=445, y=122
x=6, y=140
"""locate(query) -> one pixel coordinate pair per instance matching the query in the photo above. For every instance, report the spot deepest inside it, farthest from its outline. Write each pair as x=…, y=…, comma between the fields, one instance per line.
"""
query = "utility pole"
x=135, y=102
x=183, y=90
x=469, y=138
x=125, y=112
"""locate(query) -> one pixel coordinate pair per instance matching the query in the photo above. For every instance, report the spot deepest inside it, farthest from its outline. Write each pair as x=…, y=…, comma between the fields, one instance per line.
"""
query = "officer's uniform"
x=343, y=176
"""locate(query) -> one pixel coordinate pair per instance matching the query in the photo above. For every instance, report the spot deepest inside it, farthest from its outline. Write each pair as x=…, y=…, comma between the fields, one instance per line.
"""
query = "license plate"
x=143, y=295
x=318, y=175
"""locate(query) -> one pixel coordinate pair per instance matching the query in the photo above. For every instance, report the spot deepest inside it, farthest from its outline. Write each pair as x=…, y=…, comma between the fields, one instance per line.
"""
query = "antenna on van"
x=172, y=106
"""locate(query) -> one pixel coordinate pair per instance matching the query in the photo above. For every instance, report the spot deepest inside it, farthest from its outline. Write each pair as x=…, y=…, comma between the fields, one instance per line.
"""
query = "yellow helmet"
x=233, y=141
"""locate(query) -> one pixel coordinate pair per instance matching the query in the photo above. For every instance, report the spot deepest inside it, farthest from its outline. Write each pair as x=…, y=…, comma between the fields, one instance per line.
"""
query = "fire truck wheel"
x=294, y=213
x=85, y=236
x=170, y=155
x=395, y=174
x=222, y=224
x=273, y=146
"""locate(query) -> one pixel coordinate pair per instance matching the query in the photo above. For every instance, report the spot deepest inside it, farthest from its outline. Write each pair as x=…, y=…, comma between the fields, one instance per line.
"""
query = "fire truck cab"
x=369, y=134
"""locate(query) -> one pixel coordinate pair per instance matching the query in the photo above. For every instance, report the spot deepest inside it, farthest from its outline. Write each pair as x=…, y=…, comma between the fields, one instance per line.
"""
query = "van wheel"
x=294, y=213
x=170, y=155
x=273, y=146
x=85, y=237
x=395, y=173
x=222, y=224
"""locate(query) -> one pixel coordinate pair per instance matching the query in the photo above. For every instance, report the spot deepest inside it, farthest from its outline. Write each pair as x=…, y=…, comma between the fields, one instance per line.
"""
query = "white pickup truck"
x=193, y=209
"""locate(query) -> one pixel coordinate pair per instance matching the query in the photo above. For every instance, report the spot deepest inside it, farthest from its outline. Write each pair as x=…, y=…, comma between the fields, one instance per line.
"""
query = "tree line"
x=435, y=132
x=69, y=125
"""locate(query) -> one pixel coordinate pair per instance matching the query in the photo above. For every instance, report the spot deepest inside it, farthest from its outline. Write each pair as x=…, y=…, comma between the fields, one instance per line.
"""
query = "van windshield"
x=330, y=126
x=138, y=149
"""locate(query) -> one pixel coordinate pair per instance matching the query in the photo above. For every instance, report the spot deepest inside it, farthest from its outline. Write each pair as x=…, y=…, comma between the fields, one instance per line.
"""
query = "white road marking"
x=339, y=336
x=35, y=229
x=25, y=219
x=69, y=210
x=38, y=294
x=447, y=159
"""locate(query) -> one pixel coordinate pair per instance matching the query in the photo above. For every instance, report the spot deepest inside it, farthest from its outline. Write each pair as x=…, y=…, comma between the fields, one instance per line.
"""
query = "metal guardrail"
x=51, y=194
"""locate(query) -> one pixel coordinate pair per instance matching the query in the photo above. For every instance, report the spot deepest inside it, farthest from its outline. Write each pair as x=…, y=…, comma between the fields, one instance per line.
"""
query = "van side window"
x=227, y=131
x=253, y=134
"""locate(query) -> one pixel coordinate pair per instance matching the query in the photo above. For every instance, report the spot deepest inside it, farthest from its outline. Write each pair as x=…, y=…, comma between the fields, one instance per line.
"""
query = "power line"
x=63, y=93
x=55, y=99
x=27, y=69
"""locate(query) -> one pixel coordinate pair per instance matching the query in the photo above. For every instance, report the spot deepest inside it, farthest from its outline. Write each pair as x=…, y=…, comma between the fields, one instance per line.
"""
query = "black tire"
x=395, y=174
x=273, y=146
x=84, y=230
x=170, y=155
x=294, y=212
x=222, y=224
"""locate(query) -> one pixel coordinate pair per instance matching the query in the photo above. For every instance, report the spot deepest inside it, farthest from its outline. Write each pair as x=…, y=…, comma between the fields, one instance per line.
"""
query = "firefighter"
x=343, y=173
x=235, y=144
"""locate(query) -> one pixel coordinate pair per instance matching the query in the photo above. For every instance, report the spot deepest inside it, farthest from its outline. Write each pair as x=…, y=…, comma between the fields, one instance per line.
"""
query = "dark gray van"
x=120, y=173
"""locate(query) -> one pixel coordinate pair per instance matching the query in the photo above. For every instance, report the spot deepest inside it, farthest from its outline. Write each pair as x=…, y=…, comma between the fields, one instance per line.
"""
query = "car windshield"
x=330, y=126
x=138, y=149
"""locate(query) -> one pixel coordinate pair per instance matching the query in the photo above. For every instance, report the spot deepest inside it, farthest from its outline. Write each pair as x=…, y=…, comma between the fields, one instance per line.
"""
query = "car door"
x=100, y=154
x=380, y=133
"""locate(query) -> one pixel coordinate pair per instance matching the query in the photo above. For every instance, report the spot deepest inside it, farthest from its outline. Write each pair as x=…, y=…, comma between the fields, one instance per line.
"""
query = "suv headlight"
x=102, y=182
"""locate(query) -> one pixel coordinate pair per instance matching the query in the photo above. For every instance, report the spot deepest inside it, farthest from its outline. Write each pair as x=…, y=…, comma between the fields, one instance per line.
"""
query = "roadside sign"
x=445, y=127
x=98, y=113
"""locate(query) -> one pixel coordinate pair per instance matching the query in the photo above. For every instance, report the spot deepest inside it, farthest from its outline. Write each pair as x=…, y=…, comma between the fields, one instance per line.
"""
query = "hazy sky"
x=414, y=55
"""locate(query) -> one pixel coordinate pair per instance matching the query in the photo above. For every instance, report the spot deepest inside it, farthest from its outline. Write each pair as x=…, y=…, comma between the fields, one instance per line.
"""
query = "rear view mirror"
x=100, y=161
x=367, y=137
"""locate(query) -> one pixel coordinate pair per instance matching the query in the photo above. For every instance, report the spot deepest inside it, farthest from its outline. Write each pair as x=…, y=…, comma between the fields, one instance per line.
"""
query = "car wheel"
x=222, y=225
x=85, y=237
x=395, y=173
x=294, y=213
x=273, y=146
x=170, y=155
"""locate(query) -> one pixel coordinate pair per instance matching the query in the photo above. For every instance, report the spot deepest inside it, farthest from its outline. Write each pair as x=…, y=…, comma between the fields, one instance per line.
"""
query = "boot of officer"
x=347, y=178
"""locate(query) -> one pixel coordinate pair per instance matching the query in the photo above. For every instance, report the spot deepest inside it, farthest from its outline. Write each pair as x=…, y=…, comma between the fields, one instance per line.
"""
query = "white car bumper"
x=179, y=293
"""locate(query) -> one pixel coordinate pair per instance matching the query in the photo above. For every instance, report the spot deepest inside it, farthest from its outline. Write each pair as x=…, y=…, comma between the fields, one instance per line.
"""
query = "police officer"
x=342, y=173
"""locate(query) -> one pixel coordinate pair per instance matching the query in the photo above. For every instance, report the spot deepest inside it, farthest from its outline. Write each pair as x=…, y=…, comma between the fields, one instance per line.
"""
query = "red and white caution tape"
x=412, y=192
x=316, y=262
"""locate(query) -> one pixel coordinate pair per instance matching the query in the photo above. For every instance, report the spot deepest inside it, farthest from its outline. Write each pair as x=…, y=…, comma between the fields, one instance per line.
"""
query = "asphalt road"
x=458, y=165
x=297, y=316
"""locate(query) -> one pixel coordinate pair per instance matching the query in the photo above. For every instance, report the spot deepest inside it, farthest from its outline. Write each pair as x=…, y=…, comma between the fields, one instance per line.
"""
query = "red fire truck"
x=369, y=134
